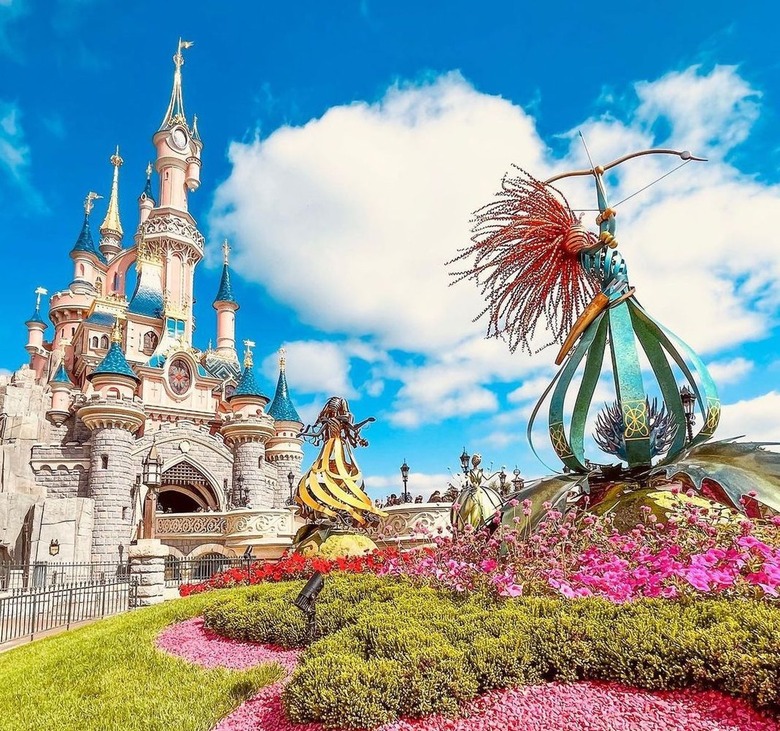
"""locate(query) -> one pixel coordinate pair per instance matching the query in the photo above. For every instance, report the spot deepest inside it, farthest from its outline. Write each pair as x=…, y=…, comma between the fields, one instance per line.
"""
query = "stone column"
x=147, y=571
x=112, y=474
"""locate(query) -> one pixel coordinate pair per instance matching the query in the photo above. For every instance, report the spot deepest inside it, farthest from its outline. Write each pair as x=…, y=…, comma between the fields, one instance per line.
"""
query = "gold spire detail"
x=225, y=251
x=116, y=332
x=89, y=202
x=248, y=360
x=175, y=112
x=282, y=359
x=111, y=221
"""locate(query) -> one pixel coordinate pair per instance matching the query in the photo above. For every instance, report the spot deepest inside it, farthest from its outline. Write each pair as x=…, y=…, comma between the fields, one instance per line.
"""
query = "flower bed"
x=591, y=706
x=695, y=552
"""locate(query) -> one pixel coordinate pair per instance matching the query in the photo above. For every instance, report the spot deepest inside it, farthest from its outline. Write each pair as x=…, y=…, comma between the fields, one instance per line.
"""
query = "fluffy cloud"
x=374, y=198
x=755, y=418
x=15, y=154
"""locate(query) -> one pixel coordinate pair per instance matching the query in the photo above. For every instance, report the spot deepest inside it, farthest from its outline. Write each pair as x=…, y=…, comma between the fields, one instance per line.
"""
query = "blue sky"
x=346, y=145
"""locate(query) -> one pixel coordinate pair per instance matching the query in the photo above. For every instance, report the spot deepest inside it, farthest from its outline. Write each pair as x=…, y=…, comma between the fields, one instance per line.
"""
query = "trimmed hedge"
x=387, y=649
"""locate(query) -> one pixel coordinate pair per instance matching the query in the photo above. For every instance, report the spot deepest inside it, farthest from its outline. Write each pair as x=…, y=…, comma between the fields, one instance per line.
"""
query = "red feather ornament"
x=525, y=256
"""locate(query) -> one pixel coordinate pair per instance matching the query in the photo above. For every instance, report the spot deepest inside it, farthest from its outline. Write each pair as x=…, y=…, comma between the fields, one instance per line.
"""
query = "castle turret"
x=246, y=431
x=36, y=327
x=226, y=306
x=284, y=450
x=114, y=415
x=111, y=229
x=61, y=388
x=84, y=254
x=178, y=147
x=146, y=200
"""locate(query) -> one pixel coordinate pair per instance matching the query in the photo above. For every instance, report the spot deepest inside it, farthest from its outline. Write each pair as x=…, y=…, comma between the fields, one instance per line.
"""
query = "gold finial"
x=248, y=361
x=116, y=332
x=225, y=251
x=89, y=202
x=111, y=222
x=282, y=359
x=115, y=160
x=149, y=169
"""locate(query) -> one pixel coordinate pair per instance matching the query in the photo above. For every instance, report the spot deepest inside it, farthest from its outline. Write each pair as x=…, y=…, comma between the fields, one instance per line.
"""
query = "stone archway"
x=187, y=489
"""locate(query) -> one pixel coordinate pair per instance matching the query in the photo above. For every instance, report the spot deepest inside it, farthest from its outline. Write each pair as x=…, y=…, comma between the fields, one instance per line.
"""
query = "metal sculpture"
x=478, y=502
x=535, y=260
x=333, y=487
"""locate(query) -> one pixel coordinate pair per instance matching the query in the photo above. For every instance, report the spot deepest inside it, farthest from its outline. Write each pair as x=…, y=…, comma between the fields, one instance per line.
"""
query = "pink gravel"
x=191, y=641
x=585, y=706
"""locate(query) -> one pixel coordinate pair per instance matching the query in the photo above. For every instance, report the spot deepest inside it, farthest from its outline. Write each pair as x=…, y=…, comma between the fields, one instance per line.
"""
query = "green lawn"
x=109, y=676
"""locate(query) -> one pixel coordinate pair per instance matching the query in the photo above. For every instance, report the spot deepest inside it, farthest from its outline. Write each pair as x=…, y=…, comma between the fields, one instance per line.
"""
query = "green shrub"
x=388, y=649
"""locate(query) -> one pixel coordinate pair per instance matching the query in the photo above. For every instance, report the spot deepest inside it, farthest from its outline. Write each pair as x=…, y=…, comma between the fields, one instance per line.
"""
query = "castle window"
x=73, y=331
x=99, y=285
x=150, y=342
x=260, y=461
x=116, y=282
x=104, y=341
x=124, y=513
x=81, y=269
x=95, y=342
x=103, y=461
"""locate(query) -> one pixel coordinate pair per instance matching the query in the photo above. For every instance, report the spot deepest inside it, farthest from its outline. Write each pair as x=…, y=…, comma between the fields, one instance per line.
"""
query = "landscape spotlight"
x=306, y=601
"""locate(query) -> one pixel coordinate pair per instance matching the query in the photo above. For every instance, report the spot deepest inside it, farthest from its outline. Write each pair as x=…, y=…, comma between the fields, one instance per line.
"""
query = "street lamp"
x=502, y=480
x=688, y=399
x=290, y=480
x=518, y=483
x=464, y=462
x=151, y=476
x=405, y=478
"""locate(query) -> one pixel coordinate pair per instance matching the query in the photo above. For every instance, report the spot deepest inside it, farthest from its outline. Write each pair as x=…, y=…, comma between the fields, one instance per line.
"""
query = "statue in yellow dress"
x=331, y=494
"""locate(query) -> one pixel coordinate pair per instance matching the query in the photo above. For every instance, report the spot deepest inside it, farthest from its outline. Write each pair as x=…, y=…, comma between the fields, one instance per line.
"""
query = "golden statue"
x=333, y=488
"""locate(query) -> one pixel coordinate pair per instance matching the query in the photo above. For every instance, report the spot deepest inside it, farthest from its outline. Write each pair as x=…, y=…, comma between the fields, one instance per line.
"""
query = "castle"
x=120, y=380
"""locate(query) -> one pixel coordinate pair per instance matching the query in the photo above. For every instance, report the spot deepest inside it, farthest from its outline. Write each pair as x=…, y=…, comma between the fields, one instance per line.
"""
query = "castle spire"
x=111, y=229
x=84, y=245
x=282, y=408
x=175, y=113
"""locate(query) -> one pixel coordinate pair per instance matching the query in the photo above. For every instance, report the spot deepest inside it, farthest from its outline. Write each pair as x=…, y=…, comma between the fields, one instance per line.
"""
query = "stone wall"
x=69, y=522
x=283, y=465
x=25, y=404
x=15, y=509
x=250, y=464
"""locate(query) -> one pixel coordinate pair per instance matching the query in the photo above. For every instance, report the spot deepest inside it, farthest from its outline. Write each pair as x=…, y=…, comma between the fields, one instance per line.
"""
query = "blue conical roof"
x=225, y=291
x=247, y=385
x=36, y=316
x=85, y=243
x=147, y=191
x=61, y=375
x=282, y=408
x=115, y=363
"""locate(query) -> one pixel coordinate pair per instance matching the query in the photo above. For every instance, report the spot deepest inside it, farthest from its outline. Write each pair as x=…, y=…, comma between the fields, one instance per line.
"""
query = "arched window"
x=81, y=269
x=150, y=342
x=104, y=341
x=116, y=282
x=104, y=461
x=73, y=331
x=99, y=285
x=95, y=342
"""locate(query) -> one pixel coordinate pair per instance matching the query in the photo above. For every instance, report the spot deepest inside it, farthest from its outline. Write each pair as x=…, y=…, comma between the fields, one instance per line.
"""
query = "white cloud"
x=729, y=371
x=374, y=198
x=755, y=418
x=15, y=156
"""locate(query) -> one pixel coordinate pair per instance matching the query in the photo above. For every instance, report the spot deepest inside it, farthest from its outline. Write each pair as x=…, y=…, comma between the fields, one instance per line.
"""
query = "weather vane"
x=89, y=202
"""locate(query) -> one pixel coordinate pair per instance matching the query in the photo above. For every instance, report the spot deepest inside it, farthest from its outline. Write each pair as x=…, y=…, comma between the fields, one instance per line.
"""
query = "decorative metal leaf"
x=736, y=467
x=556, y=490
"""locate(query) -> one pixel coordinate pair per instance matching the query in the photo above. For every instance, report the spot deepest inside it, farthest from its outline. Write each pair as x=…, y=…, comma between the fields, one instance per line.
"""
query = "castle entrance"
x=185, y=489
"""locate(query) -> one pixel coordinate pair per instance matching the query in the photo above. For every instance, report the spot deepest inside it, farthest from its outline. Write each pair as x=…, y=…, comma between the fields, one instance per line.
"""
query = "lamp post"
x=151, y=477
x=688, y=399
x=290, y=480
x=464, y=462
x=502, y=480
x=518, y=483
x=405, y=478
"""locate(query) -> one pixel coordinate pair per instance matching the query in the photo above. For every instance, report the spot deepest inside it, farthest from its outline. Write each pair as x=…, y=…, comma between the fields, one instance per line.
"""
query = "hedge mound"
x=387, y=649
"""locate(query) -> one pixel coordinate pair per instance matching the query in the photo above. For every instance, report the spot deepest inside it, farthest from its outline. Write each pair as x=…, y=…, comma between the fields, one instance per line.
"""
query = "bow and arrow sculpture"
x=534, y=260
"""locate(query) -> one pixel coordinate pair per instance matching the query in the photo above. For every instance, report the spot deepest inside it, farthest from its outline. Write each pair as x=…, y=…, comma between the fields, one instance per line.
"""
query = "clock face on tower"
x=179, y=138
x=179, y=376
